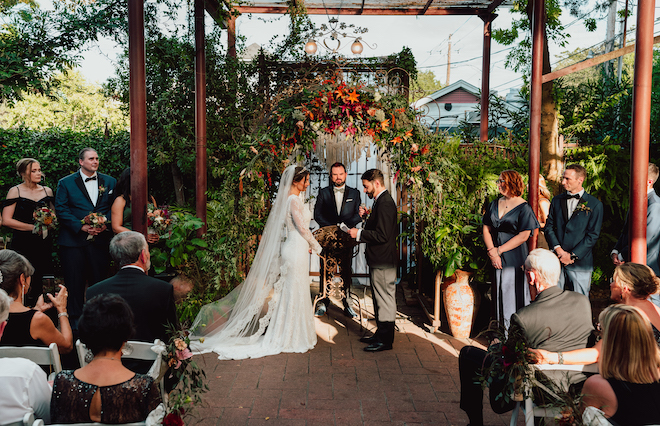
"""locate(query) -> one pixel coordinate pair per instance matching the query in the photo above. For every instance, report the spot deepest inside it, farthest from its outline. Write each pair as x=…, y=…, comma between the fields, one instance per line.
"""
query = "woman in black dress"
x=17, y=214
x=508, y=223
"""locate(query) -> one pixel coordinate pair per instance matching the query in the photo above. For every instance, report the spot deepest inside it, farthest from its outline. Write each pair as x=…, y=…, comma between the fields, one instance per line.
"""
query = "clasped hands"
x=495, y=257
x=92, y=230
x=564, y=256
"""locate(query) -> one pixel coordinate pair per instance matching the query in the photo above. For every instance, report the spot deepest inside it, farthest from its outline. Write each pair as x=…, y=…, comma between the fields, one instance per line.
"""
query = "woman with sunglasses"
x=508, y=223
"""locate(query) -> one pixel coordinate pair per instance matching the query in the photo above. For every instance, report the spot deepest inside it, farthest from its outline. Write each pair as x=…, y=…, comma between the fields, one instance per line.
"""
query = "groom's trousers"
x=383, y=285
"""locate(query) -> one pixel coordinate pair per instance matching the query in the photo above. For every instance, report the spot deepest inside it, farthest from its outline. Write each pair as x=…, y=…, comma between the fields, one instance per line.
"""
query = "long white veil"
x=243, y=315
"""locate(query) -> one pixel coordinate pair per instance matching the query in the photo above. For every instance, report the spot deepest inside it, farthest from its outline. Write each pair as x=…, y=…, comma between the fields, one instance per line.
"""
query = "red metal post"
x=641, y=125
x=138, y=113
x=538, y=28
x=231, y=36
x=485, y=77
x=200, y=115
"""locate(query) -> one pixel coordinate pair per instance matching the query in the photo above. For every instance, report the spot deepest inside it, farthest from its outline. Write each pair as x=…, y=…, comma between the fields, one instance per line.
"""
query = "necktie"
x=90, y=178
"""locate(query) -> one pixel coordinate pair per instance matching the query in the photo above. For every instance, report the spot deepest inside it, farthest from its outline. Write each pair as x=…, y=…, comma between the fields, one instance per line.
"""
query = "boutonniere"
x=582, y=208
x=101, y=189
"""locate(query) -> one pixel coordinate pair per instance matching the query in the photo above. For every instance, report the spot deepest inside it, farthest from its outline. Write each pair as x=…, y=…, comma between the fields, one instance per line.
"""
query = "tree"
x=424, y=85
x=75, y=105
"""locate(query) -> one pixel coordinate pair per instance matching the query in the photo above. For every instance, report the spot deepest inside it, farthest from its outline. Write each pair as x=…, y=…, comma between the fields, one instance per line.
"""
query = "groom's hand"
x=353, y=232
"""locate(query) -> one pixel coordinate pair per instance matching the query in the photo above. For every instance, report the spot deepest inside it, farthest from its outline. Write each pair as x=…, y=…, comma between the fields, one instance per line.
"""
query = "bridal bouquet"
x=44, y=219
x=159, y=220
x=95, y=220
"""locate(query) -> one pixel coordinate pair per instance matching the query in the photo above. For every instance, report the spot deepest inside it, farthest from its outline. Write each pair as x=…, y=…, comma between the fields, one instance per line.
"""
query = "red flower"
x=173, y=419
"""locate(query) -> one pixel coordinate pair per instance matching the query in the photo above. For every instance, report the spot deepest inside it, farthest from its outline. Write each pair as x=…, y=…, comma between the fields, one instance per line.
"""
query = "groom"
x=380, y=232
x=338, y=203
x=84, y=261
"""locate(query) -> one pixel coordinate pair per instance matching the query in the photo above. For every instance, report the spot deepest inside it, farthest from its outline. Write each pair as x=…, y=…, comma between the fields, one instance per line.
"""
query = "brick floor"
x=337, y=383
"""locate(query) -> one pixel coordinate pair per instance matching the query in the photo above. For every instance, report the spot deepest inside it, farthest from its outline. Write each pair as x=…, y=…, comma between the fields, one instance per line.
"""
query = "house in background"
x=446, y=109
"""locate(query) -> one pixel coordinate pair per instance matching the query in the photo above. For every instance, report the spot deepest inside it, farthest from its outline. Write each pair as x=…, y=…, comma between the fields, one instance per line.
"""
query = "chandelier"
x=333, y=34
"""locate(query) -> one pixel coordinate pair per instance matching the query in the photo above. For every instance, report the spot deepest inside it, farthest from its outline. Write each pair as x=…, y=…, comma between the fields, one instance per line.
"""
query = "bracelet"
x=62, y=314
x=498, y=251
x=560, y=358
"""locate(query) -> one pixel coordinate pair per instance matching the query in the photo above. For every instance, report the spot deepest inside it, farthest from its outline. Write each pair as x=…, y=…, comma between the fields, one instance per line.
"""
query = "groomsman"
x=338, y=203
x=84, y=261
x=380, y=232
x=621, y=252
x=572, y=229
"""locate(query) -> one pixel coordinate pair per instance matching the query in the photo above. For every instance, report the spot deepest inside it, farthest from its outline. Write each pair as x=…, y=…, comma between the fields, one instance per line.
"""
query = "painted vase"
x=460, y=303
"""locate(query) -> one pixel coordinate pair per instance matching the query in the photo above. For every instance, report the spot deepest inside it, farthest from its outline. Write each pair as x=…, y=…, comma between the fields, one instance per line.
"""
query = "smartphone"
x=49, y=286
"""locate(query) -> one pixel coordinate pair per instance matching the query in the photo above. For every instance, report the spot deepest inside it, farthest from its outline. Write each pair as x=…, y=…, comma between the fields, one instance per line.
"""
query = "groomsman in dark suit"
x=338, y=203
x=84, y=261
x=621, y=252
x=380, y=232
x=572, y=229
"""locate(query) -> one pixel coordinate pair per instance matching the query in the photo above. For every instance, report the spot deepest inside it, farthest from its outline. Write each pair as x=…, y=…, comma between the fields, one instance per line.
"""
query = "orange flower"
x=416, y=168
x=408, y=135
x=371, y=112
x=385, y=124
x=396, y=140
x=352, y=97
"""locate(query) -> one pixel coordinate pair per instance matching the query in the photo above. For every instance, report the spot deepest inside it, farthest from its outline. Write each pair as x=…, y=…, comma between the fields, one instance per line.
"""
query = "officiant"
x=338, y=203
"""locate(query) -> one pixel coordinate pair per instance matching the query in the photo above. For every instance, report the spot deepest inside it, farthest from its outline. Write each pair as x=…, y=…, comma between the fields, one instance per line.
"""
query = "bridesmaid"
x=121, y=207
x=22, y=200
x=508, y=223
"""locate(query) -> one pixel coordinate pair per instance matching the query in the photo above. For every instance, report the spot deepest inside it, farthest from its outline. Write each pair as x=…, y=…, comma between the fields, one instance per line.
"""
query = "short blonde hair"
x=629, y=352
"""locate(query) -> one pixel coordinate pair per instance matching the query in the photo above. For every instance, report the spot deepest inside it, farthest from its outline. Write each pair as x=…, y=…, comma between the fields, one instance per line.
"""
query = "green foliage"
x=424, y=85
x=75, y=105
x=182, y=247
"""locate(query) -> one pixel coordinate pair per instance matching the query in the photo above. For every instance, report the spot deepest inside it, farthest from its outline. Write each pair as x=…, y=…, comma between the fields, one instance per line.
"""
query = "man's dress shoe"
x=370, y=339
x=320, y=310
x=377, y=347
x=348, y=310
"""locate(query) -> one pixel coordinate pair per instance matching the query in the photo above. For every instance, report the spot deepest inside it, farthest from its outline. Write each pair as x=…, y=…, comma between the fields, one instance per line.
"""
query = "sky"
x=427, y=37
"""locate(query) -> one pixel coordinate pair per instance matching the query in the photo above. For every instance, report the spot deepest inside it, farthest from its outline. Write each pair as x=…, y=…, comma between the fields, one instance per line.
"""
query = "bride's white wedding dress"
x=271, y=311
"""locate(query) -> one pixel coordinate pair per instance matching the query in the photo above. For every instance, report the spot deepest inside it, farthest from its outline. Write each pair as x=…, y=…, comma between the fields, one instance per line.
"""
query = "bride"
x=271, y=311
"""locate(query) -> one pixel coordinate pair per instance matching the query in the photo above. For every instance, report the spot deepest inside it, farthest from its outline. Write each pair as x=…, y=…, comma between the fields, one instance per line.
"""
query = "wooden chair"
x=531, y=410
x=37, y=354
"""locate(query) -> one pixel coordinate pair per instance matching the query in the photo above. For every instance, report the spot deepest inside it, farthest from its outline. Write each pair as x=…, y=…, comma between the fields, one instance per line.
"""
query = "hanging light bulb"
x=310, y=47
x=357, y=47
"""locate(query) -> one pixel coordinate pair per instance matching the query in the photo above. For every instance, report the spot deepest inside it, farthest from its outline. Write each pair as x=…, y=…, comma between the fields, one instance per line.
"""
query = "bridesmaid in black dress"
x=508, y=223
x=22, y=200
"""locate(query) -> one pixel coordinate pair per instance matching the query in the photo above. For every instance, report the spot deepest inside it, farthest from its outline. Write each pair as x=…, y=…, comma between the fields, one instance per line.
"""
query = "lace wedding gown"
x=288, y=323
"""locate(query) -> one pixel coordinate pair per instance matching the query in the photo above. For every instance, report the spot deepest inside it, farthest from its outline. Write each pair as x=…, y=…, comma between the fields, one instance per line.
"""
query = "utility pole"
x=448, y=60
x=609, y=33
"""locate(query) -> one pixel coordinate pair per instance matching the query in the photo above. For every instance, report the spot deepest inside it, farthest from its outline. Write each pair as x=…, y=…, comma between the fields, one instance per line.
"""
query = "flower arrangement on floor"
x=95, y=220
x=159, y=220
x=191, y=378
x=45, y=219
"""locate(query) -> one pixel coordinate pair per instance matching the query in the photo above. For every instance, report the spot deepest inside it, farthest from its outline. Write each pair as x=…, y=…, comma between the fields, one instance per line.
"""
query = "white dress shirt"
x=92, y=186
x=23, y=389
x=339, y=196
x=572, y=203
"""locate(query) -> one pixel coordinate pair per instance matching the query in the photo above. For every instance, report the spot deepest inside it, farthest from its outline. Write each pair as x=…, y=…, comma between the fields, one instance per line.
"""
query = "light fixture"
x=331, y=36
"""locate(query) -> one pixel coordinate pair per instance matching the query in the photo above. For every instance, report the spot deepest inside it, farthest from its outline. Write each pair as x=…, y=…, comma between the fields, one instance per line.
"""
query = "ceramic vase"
x=460, y=303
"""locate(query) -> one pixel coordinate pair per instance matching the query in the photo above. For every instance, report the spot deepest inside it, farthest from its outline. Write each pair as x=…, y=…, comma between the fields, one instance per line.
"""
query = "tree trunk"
x=177, y=178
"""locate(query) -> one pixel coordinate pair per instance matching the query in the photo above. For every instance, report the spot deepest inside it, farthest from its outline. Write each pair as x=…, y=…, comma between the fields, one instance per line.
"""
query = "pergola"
x=485, y=9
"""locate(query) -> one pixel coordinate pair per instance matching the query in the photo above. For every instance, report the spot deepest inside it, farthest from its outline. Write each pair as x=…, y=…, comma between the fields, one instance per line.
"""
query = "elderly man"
x=23, y=384
x=151, y=299
x=541, y=325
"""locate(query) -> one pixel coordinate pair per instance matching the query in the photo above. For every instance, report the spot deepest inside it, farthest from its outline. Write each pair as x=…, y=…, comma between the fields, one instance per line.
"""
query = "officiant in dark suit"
x=335, y=204
x=84, y=261
x=380, y=233
x=572, y=229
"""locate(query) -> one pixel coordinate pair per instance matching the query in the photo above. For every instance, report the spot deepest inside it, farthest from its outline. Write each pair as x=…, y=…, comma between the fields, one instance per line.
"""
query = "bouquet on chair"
x=44, y=219
x=95, y=220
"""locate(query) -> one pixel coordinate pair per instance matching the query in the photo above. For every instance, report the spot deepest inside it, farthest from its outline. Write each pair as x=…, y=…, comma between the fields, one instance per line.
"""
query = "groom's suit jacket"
x=652, y=234
x=576, y=235
x=325, y=209
x=380, y=232
x=72, y=203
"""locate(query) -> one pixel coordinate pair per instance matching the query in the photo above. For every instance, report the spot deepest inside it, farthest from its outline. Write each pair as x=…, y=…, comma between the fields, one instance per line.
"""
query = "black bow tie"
x=90, y=178
x=576, y=196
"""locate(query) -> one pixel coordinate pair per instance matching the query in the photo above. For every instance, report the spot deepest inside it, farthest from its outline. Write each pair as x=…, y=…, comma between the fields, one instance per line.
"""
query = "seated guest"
x=539, y=323
x=151, y=299
x=627, y=390
x=31, y=327
x=23, y=384
x=631, y=285
x=104, y=390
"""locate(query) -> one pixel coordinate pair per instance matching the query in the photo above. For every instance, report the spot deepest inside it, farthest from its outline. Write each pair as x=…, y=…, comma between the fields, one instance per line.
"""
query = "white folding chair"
x=41, y=423
x=28, y=420
x=37, y=354
x=531, y=410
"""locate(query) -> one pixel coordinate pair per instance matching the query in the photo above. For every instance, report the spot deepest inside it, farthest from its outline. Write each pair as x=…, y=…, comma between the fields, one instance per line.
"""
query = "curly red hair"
x=512, y=183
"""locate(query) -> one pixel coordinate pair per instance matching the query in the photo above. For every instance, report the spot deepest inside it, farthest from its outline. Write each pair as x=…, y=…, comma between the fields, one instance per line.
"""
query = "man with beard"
x=380, y=233
x=338, y=203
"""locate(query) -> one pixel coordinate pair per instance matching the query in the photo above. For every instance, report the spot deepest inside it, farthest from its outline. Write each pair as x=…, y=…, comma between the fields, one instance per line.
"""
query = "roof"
x=378, y=7
x=460, y=84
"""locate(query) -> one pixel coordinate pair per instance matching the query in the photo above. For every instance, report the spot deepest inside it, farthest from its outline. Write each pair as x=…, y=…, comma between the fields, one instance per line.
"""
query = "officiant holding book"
x=335, y=204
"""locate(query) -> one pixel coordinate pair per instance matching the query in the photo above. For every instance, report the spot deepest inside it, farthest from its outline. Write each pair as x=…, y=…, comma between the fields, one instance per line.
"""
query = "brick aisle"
x=337, y=383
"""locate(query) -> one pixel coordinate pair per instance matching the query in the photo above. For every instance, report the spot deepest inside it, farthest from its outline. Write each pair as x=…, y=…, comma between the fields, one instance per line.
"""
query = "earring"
x=23, y=294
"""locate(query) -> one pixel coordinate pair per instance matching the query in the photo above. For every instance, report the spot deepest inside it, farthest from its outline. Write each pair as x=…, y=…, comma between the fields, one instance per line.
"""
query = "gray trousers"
x=576, y=280
x=383, y=284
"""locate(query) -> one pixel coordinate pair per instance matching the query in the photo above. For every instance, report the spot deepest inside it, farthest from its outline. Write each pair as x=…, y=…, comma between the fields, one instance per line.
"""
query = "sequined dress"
x=127, y=402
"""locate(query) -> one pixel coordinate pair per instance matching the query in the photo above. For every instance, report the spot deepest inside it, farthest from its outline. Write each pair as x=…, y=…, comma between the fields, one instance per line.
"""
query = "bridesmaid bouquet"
x=95, y=220
x=159, y=220
x=44, y=219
